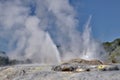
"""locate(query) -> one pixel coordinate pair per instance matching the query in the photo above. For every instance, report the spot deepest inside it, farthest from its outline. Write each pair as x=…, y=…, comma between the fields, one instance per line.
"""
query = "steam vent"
x=53, y=40
x=76, y=69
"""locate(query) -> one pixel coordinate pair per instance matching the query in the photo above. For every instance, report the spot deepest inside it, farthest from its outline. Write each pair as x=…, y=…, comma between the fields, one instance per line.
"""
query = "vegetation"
x=4, y=60
x=113, y=48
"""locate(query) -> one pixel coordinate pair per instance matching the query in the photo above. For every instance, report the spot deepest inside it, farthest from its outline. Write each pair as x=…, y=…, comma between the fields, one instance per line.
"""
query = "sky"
x=105, y=21
x=29, y=27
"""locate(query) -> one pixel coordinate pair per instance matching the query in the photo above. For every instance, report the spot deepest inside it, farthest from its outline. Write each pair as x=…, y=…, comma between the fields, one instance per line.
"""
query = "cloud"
x=32, y=28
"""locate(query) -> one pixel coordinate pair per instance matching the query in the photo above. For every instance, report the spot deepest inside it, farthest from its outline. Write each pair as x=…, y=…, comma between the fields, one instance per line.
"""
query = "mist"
x=33, y=29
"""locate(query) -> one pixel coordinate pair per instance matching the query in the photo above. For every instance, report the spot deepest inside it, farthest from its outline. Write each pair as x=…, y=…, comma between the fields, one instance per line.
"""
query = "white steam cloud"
x=26, y=25
x=92, y=49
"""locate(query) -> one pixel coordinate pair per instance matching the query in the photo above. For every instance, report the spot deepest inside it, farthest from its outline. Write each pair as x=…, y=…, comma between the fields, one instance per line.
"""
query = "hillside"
x=113, y=48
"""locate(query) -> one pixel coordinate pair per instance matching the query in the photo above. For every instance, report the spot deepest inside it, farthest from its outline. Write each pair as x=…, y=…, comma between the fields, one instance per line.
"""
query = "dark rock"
x=108, y=67
x=80, y=65
x=83, y=61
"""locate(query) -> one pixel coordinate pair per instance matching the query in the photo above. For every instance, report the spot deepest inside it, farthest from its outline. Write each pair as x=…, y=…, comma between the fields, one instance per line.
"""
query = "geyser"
x=29, y=29
x=40, y=48
x=92, y=49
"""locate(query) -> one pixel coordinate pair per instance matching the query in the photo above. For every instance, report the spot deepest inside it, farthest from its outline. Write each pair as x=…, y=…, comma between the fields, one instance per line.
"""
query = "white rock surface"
x=44, y=72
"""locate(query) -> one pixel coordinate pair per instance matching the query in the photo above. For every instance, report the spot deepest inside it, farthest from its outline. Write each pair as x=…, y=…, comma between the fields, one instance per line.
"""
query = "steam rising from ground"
x=26, y=25
x=92, y=49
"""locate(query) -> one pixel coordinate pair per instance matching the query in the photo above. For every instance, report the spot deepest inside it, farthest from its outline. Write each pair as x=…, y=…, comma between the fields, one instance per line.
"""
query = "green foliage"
x=4, y=61
x=113, y=48
x=107, y=46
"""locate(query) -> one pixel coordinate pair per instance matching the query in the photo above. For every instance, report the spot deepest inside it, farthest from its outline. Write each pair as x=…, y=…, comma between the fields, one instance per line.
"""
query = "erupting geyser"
x=92, y=49
x=49, y=51
x=29, y=29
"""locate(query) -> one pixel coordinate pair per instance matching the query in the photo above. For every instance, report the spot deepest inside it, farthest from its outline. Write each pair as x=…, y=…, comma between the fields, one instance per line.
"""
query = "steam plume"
x=28, y=25
x=92, y=49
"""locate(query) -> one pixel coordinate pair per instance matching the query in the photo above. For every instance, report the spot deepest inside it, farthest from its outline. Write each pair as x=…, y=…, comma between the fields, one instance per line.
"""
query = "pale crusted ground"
x=44, y=72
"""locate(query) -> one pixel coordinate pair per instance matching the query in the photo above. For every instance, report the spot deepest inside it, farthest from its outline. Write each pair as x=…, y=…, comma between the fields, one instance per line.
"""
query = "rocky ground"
x=49, y=72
